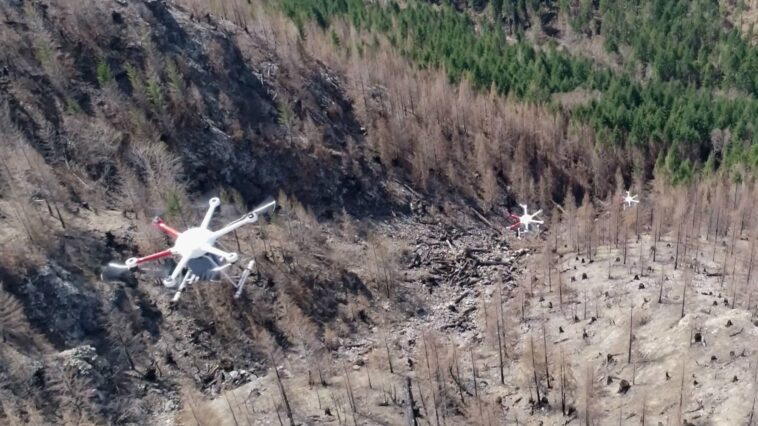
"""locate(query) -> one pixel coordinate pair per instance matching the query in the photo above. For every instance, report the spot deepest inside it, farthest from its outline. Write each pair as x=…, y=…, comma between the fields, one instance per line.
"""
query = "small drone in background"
x=630, y=200
x=526, y=222
x=198, y=251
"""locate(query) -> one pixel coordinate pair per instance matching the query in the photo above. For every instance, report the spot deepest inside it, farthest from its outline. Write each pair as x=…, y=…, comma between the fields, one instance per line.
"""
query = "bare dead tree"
x=685, y=283
x=456, y=375
x=610, y=257
x=750, y=270
x=282, y=392
x=500, y=353
x=350, y=395
x=547, y=370
x=503, y=328
x=534, y=370
x=644, y=410
x=429, y=372
x=681, y=391
x=588, y=395
x=410, y=405
x=74, y=392
x=678, y=241
x=387, y=350
x=631, y=327
x=563, y=384
x=473, y=373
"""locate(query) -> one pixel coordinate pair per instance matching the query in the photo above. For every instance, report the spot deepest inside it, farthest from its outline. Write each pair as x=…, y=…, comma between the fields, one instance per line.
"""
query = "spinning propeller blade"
x=265, y=207
x=114, y=272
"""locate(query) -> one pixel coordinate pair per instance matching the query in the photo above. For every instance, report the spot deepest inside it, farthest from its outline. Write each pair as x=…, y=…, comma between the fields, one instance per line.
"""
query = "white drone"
x=630, y=200
x=197, y=251
x=526, y=222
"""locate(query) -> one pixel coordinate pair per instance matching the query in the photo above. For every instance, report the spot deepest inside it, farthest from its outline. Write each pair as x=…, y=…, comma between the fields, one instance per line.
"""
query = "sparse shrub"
x=154, y=93
x=175, y=78
x=136, y=79
x=74, y=394
x=13, y=323
x=173, y=198
x=104, y=75
x=286, y=115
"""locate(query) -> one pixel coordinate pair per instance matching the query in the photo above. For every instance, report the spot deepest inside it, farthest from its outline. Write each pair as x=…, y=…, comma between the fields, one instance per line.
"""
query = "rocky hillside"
x=113, y=112
x=386, y=288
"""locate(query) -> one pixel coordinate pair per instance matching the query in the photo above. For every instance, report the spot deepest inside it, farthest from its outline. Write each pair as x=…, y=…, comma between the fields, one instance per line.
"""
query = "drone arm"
x=265, y=208
x=135, y=261
x=160, y=224
x=244, y=220
x=187, y=280
x=229, y=257
x=212, y=204
x=171, y=281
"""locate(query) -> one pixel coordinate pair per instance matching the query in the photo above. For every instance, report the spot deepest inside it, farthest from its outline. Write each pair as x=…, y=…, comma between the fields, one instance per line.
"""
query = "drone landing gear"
x=191, y=278
x=243, y=279
x=188, y=279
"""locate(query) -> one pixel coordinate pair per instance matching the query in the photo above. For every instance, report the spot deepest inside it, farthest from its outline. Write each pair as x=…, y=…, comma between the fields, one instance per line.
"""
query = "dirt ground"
x=693, y=369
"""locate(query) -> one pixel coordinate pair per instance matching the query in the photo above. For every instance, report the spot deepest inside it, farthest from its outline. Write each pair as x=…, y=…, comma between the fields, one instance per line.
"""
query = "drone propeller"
x=116, y=272
x=266, y=207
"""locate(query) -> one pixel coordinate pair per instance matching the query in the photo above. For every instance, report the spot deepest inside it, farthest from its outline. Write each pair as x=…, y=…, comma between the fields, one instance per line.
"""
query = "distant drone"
x=630, y=200
x=526, y=222
x=197, y=251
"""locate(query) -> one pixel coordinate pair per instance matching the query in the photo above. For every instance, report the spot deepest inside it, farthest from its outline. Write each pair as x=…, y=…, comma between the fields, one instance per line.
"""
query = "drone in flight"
x=526, y=222
x=198, y=252
x=630, y=200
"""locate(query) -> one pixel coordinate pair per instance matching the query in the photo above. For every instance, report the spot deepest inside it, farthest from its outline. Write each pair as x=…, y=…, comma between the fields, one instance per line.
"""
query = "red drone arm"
x=515, y=225
x=154, y=256
x=158, y=222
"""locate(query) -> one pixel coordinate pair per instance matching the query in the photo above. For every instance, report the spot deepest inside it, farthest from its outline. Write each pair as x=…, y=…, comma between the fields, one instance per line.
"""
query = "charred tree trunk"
x=631, y=329
x=410, y=405
x=285, y=400
x=500, y=353
x=534, y=372
x=676, y=253
x=547, y=369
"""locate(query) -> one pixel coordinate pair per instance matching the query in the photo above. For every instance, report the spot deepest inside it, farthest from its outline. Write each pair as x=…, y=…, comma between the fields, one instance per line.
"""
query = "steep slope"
x=386, y=263
x=661, y=78
x=110, y=114
x=113, y=112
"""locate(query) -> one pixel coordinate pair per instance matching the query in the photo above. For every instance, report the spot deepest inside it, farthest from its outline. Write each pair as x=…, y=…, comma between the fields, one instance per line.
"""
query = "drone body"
x=630, y=200
x=526, y=222
x=197, y=250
